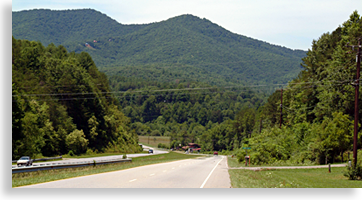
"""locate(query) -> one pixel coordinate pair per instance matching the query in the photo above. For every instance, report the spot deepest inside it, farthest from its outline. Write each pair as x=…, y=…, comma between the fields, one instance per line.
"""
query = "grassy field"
x=153, y=141
x=28, y=178
x=291, y=178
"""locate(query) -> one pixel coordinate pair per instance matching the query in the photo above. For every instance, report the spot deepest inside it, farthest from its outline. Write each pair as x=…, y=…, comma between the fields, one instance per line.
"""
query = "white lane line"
x=133, y=180
x=203, y=184
x=152, y=174
x=173, y=168
x=164, y=170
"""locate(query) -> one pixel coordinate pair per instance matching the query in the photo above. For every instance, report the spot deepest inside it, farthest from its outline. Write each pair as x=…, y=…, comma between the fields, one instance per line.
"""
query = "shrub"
x=89, y=152
x=161, y=145
x=355, y=171
x=71, y=153
x=76, y=142
x=124, y=156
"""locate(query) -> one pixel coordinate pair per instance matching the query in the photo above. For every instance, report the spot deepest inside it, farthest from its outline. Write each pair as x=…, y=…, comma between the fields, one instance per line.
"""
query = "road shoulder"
x=220, y=177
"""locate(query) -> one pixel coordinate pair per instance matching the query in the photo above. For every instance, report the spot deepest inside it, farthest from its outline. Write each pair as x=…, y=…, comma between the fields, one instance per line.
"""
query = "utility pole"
x=281, y=108
x=356, y=85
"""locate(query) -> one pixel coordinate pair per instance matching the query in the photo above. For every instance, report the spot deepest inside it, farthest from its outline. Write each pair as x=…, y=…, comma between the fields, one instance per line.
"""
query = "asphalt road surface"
x=70, y=160
x=206, y=172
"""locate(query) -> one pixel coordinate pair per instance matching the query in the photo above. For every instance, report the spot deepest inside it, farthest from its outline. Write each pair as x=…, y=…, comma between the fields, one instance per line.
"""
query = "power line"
x=184, y=89
x=122, y=97
x=142, y=95
x=140, y=91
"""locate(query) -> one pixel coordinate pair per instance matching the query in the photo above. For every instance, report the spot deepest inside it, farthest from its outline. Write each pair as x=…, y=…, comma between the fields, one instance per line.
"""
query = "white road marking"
x=133, y=180
x=203, y=184
x=173, y=168
x=152, y=174
x=164, y=170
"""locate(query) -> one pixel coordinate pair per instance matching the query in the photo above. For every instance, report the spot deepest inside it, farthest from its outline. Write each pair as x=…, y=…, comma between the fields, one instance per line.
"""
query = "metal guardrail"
x=48, y=166
x=42, y=159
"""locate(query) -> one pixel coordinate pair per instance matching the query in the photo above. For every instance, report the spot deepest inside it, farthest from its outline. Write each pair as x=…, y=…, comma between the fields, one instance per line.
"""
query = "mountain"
x=60, y=27
x=193, y=48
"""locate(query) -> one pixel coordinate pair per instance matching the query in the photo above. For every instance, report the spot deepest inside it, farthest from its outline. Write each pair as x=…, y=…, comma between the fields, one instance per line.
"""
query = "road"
x=206, y=172
x=70, y=160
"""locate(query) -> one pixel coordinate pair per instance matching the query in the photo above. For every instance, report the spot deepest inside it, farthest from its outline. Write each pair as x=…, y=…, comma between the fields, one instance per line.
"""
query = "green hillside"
x=56, y=113
x=196, y=49
x=59, y=27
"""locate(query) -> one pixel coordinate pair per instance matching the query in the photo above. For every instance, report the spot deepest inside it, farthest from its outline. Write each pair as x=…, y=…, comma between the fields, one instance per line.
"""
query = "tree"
x=77, y=142
x=245, y=121
x=337, y=134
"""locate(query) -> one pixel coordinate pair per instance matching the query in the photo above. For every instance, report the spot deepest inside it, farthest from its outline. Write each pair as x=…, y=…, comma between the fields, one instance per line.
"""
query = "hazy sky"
x=290, y=23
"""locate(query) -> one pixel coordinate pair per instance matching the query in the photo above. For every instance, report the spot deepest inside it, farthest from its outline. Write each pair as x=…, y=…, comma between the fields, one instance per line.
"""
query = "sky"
x=290, y=23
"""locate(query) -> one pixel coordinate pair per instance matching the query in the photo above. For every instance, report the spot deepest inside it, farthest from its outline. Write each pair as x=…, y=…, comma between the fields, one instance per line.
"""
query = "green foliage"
x=354, y=172
x=169, y=80
x=181, y=48
x=71, y=153
x=77, y=142
x=164, y=146
x=57, y=95
x=318, y=106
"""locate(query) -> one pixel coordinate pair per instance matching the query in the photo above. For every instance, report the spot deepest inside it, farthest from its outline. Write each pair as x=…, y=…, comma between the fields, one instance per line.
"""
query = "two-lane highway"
x=97, y=159
x=206, y=172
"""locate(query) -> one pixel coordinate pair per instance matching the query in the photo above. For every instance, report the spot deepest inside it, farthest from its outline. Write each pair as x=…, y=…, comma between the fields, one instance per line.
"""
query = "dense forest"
x=318, y=106
x=186, y=111
x=317, y=109
x=186, y=78
x=61, y=104
x=185, y=47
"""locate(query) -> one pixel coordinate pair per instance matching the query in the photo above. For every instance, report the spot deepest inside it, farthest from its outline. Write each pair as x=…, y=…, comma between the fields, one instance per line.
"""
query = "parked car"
x=216, y=153
x=24, y=160
x=150, y=151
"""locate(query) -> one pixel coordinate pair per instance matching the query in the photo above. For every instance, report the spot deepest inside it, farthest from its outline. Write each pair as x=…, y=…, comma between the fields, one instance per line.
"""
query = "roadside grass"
x=98, y=155
x=28, y=178
x=233, y=162
x=288, y=178
x=292, y=178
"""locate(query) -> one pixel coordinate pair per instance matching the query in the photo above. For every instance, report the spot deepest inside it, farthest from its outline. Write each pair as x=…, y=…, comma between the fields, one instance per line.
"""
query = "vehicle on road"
x=24, y=160
x=216, y=153
x=150, y=151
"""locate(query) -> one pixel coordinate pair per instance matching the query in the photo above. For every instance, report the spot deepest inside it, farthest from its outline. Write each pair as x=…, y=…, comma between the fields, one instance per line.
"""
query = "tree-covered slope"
x=61, y=103
x=59, y=27
x=179, y=42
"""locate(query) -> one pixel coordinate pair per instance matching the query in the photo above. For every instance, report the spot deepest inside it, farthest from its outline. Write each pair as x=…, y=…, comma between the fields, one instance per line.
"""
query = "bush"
x=89, y=152
x=71, y=153
x=355, y=171
x=76, y=142
x=124, y=156
x=161, y=145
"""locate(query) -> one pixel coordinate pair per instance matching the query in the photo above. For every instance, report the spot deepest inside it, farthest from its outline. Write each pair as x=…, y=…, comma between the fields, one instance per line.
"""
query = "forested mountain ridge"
x=154, y=92
x=61, y=104
x=59, y=27
x=181, y=42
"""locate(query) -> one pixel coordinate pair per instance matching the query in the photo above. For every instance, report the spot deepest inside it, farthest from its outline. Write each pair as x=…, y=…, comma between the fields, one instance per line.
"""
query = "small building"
x=192, y=147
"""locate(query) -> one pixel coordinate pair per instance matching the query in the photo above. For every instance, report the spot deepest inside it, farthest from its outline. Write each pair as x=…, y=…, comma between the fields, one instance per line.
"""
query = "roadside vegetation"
x=28, y=178
x=292, y=178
